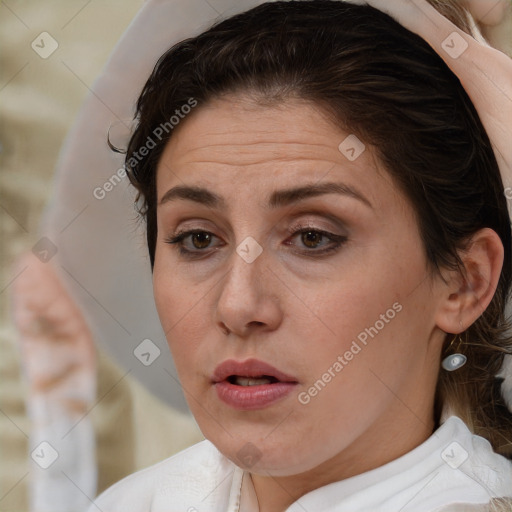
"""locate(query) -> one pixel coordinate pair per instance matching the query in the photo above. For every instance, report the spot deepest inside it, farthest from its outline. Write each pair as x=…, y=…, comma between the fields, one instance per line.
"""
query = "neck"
x=276, y=494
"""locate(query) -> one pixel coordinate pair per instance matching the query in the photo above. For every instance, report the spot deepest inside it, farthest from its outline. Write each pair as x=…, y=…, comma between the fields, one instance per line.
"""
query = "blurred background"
x=40, y=97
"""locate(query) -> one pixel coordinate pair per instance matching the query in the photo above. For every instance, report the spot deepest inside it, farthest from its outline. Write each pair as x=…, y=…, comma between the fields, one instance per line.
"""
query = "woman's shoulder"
x=182, y=480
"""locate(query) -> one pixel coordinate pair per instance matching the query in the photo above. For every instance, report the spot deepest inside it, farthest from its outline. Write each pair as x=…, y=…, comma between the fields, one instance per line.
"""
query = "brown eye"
x=197, y=240
x=312, y=241
x=311, y=238
x=203, y=239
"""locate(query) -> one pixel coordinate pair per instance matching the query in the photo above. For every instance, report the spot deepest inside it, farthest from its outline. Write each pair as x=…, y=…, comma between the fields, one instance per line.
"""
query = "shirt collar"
x=427, y=462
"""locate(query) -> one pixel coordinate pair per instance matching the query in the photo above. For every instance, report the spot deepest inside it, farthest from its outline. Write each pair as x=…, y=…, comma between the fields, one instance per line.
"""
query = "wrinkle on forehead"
x=262, y=146
x=254, y=129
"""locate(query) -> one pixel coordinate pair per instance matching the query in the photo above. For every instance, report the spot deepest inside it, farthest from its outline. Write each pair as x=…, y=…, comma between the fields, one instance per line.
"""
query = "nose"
x=248, y=298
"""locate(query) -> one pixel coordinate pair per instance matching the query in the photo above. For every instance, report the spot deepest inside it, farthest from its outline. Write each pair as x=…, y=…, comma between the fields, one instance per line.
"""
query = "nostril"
x=224, y=329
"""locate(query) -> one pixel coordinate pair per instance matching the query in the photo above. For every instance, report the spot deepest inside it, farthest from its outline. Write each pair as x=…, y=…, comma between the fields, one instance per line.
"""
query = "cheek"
x=180, y=312
x=369, y=314
x=363, y=343
x=358, y=298
x=164, y=291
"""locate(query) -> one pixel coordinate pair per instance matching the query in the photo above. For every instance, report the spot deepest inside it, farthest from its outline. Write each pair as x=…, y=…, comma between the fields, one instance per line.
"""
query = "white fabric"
x=200, y=479
x=64, y=485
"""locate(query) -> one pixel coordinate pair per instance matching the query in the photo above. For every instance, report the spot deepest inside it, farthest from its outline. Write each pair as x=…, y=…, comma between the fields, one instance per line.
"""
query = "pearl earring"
x=454, y=361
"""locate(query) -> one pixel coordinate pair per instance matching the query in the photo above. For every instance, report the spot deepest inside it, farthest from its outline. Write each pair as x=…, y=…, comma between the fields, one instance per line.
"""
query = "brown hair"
x=378, y=80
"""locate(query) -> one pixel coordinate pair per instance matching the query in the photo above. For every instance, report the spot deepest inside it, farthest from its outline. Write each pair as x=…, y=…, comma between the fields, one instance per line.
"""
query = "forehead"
x=234, y=140
x=237, y=121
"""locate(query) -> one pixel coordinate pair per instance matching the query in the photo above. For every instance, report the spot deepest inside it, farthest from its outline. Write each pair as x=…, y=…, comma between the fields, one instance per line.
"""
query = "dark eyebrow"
x=288, y=196
x=192, y=193
x=277, y=199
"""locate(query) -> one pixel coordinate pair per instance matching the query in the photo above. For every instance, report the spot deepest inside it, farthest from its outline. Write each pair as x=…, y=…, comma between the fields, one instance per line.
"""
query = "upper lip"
x=248, y=368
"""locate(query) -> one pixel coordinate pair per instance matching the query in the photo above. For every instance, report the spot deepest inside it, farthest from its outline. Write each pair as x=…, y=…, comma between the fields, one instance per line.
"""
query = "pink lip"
x=250, y=397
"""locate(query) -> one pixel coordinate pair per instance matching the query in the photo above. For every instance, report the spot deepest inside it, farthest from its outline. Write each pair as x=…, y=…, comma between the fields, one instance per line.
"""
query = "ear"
x=465, y=297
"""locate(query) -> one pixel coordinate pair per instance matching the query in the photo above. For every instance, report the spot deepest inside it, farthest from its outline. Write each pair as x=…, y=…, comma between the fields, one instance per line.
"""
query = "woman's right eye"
x=202, y=238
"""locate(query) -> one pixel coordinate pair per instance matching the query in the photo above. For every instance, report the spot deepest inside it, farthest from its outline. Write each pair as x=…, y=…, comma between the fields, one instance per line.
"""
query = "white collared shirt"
x=450, y=468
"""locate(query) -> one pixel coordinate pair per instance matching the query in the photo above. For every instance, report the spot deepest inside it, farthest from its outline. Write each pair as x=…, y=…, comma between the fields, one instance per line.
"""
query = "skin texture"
x=489, y=12
x=300, y=312
x=494, y=19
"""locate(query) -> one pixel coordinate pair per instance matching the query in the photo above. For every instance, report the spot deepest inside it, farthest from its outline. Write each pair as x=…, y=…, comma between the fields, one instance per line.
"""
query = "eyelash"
x=338, y=240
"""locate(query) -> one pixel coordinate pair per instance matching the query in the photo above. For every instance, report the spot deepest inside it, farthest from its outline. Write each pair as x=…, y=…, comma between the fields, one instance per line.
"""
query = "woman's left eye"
x=311, y=237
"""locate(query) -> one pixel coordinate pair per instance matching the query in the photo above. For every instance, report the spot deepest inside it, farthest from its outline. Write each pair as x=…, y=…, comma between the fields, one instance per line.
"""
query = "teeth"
x=247, y=381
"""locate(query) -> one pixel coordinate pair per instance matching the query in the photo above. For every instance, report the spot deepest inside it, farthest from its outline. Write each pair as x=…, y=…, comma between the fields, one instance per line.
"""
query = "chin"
x=266, y=457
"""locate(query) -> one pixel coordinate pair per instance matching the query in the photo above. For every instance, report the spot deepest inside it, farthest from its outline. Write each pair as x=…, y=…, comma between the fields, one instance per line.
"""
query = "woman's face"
x=344, y=316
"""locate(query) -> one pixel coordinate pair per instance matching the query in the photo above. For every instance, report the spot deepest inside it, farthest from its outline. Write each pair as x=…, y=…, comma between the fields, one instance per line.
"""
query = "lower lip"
x=252, y=397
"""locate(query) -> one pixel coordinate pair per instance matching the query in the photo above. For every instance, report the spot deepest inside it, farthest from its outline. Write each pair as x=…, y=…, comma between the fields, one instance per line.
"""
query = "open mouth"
x=251, y=372
x=238, y=380
x=251, y=384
